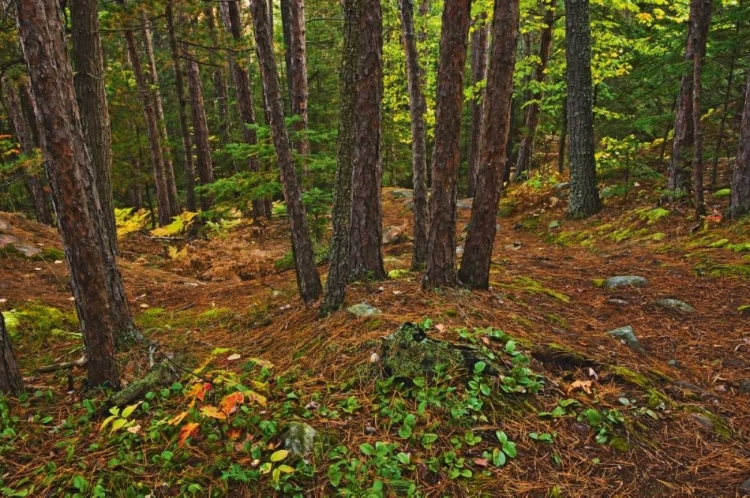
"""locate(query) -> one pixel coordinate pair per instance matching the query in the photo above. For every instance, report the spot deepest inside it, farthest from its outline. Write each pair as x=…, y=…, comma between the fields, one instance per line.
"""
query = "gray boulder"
x=625, y=281
x=674, y=305
x=298, y=439
x=627, y=335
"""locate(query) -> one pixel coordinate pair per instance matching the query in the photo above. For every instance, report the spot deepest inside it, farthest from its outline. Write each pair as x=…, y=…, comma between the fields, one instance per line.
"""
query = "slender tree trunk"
x=220, y=84
x=679, y=165
x=149, y=112
x=11, y=381
x=26, y=139
x=479, y=44
x=740, y=200
x=92, y=102
x=563, y=137
x=96, y=283
x=200, y=128
x=417, y=109
x=298, y=56
x=475, y=265
x=526, y=149
x=287, y=32
x=700, y=204
x=584, y=194
x=187, y=143
x=365, y=246
x=338, y=275
x=441, y=261
x=308, y=280
x=230, y=15
x=174, y=201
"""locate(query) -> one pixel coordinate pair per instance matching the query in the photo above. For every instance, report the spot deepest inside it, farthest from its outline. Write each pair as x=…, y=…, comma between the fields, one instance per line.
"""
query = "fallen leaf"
x=593, y=374
x=213, y=412
x=580, y=384
x=178, y=418
x=234, y=357
x=480, y=462
x=440, y=327
x=134, y=430
x=187, y=430
x=229, y=404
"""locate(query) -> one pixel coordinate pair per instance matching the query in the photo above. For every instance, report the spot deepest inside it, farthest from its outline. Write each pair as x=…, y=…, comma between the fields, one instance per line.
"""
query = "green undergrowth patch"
x=35, y=327
x=530, y=285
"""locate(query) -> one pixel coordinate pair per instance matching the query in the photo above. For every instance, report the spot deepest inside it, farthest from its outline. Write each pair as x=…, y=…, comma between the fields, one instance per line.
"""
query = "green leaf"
x=118, y=424
x=167, y=455
x=367, y=449
x=429, y=438
x=593, y=416
x=479, y=367
x=405, y=432
x=80, y=483
x=509, y=447
x=286, y=469
x=501, y=436
x=498, y=458
x=128, y=410
x=279, y=455
x=47, y=420
x=404, y=458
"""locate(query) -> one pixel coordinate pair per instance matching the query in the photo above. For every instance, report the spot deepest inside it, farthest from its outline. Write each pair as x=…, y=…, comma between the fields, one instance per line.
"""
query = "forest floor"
x=670, y=420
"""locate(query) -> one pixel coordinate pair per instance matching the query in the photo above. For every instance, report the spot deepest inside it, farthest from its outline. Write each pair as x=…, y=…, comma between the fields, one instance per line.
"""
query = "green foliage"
x=129, y=221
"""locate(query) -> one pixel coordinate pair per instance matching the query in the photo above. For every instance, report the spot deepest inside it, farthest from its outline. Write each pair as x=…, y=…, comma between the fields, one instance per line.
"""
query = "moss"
x=720, y=425
x=408, y=354
x=722, y=194
x=742, y=247
x=620, y=444
x=719, y=243
x=556, y=319
x=653, y=215
x=725, y=270
x=506, y=208
x=598, y=282
x=660, y=375
x=657, y=236
x=50, y=254
x=213, y=315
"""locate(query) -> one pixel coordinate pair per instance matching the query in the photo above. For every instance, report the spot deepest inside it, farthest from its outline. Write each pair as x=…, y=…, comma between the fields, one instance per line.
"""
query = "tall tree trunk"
x=584, y=194
x=157, y=162
x=11, y=381
x=308, y=280
x=740, y=200
x=298, y=56
x=563, y=136
x=365, y=247
x=26, y=139
x=287, y=33
x=475, y=265
x=148, y=43
x=187, y=143
x=479, y=44
x=200, y=128
x=700, y=204
x=92, y=102
x=220, y=84
x=679, y=165
x=230, y=15
x=417, y=110
x=526, y=149
x=441, y=261
x=96, y=283
x=338, y=275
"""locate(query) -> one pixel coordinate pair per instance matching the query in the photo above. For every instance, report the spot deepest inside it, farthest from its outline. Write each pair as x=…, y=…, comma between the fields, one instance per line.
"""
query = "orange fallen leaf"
x=229, y=404
x=178, y=418
x=213, y=412
x=480, y=462
x=585, y=385
x=187, y=430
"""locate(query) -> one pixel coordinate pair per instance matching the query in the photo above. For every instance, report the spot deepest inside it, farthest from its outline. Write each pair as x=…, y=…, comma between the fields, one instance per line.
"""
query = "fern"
x=180, y=224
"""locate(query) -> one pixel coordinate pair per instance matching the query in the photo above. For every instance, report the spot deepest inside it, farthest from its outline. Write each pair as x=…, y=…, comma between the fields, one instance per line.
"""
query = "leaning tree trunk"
x=152, y=126
x=584, y=195
x=338, y=275
x=174, y=201
x=740, y=200
x=92, y=102
x=308, y=280
x=365, y=246
x=96, y=283
x=230, y=15
x=417, y=110
x=200, y=128
x=187, y=143
x=526, y=148
x=679, y=165
x=479, y=44
x=298, y=58
x=475, y=265
x=11, y=381
x=26, y=139
x=441, y=260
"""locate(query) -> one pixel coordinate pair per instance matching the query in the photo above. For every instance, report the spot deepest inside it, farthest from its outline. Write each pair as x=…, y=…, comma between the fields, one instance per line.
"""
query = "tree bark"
x=338, y=275
x=96, y=283
x=298, y=58
x=230, y=15
x=526, y=149
x=679, y=165
x=11, y=381
x=308, y=280
x=417, y=110
x=149, y=113
x=700, y=204
x=200, y=128
x=220, y=85
x=174, y=201
x=740, y=197
x=365, y=246
x=287, y=33
x=26, y=139
x=479, y=46
x=584, y=194
x=441, y=261
x=475, y=265
x=92, y=102
x=187, y=143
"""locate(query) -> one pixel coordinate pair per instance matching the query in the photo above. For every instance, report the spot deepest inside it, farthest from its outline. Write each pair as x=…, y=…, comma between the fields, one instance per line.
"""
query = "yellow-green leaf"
x=279, y=455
